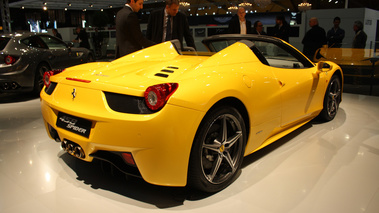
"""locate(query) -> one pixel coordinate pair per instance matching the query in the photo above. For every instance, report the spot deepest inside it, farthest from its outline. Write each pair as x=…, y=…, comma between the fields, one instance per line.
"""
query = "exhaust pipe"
x=73, y=149
x=78, y=152
x=6, y=86
x=64, y=145
x=14, y=85
x=70, y=149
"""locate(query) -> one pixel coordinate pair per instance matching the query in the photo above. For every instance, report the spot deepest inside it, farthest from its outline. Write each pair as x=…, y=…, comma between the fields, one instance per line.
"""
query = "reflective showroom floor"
x=321, y=167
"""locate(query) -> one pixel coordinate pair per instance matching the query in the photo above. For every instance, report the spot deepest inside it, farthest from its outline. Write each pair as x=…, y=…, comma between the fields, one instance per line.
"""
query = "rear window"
x=3, y=42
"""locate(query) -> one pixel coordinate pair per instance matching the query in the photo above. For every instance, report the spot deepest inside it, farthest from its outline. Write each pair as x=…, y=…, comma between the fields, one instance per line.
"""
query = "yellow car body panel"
x=277, y=101
x=151, y=151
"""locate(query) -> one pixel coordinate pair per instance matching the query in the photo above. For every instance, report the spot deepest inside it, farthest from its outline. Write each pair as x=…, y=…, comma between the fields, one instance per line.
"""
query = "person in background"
x=129, y=37
x=240, y=25
x=168, y=24
x=360, y=37
x=81, y=38
x=97, y=42
x=282, y=28
x=315, y=38
x=336, y=34
x=258, y=28
x=56, y=34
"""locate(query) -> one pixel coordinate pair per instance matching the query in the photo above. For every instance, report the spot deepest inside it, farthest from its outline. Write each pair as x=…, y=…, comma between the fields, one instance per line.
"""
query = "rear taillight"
x=156, y=96
x=9, y=59
x=48, y=74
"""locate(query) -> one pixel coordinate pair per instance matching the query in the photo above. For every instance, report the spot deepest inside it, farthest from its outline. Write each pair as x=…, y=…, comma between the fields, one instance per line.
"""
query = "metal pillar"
x=5, y=16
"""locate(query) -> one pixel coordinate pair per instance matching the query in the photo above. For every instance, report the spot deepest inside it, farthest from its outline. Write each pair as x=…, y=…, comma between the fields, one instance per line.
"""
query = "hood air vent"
x=164, y=72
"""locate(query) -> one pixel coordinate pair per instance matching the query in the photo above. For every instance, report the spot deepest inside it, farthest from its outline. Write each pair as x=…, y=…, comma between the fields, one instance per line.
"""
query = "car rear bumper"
x=159, y=143
x=16, y=78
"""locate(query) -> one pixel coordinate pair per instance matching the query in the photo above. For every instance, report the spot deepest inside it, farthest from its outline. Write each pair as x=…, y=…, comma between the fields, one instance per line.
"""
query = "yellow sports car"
x=356, y=63
x=188, y=118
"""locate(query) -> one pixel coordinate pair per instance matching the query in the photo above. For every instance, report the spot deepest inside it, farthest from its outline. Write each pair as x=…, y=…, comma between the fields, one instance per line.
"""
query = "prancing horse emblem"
x=73, y=94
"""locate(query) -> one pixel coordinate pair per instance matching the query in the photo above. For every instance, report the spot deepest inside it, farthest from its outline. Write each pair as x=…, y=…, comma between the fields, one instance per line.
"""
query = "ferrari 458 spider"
x=177, y=119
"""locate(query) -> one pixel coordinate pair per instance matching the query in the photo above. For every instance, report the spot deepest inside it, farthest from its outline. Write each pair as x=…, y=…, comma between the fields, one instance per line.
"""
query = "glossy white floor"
x=322, y=167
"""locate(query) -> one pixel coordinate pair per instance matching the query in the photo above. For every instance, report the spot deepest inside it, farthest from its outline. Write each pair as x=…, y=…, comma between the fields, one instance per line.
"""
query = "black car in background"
x=24, y=58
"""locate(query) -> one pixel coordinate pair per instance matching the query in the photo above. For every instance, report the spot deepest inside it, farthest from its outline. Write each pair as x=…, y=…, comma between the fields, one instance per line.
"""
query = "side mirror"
x=70, y=44
x=323, y=66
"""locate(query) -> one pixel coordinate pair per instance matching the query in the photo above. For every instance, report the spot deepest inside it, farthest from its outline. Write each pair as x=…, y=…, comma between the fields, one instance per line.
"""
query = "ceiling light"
x=184, y=4
x=246, y=5
x=304, y=6
x=233, y=9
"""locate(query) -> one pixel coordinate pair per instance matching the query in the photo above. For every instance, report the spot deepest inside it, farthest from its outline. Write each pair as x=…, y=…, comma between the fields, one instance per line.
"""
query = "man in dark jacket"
x=168, y=24
x=81, y=38
x=129, y=37
x=336, y=34
x=282, y=28
x=315, y=38
x=240, y=25
x=360, y=37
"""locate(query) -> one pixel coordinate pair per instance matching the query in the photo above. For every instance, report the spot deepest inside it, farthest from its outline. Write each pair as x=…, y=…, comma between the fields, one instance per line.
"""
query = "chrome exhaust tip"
x=14, y=85
x=73, y=149
x=70, y=149
x=64, y=145
x=78, y=152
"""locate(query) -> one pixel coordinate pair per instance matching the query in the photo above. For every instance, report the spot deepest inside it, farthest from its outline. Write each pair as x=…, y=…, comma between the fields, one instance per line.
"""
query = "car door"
x=297, y=79
x=61, y=53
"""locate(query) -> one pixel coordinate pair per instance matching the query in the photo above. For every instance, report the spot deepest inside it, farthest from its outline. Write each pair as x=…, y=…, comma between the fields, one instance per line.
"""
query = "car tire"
x=332, y=99
x=218, y=150
x=38, y=77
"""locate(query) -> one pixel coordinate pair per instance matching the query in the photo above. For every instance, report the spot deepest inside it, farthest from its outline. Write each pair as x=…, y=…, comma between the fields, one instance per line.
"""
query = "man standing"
x=336, y=34
x=129, y=37
x=282, y=28
x=97, y=39
x=313, y=39
x=240, y=25
x=360, y=37
x=81, y=38
x=168, y=24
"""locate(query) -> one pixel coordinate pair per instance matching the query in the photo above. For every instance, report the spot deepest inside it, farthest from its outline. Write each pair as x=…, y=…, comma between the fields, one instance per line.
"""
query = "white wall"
x=67, y=33
x=370, y=26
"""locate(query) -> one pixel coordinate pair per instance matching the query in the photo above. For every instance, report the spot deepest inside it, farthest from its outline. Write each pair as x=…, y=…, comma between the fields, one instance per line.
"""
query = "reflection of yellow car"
x=355, y=62
x=176, y=119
